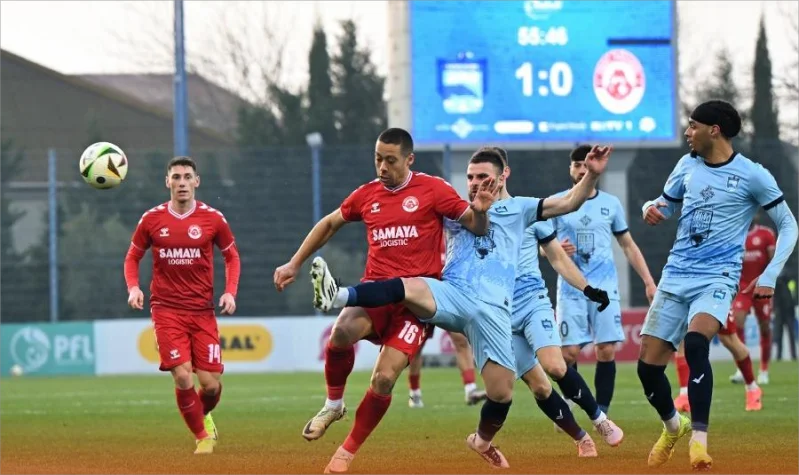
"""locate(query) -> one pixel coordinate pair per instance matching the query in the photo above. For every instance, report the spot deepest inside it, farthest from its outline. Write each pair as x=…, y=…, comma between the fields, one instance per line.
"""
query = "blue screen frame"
x=543, y=74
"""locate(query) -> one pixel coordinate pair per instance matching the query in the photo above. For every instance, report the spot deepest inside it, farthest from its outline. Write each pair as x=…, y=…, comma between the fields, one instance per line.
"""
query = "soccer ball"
x=16, y=370
x=103, y=165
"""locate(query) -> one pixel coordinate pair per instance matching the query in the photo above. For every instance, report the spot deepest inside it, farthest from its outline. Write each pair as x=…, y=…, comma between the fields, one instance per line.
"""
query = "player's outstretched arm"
x=564, y=266
x=636, y=259
x=325, y=229
x=788, y=233
x=595, y=162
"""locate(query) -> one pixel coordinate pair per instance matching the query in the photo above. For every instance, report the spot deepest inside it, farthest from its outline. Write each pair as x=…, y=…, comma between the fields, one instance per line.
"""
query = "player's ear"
x=411, y=158
x=197, y=181
x=166, y=181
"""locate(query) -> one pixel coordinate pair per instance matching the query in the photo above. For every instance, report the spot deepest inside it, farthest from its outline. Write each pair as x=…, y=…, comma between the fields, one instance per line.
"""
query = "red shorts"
x=730, y=327
x=187, y=336
x=745, y=302
x=395, y=326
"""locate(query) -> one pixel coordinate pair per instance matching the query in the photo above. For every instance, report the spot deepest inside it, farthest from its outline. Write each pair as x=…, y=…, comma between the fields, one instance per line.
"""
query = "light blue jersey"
x=718, y=204
x=704, y=265
x=475, y=295
x=591, y=230
x=485, y=266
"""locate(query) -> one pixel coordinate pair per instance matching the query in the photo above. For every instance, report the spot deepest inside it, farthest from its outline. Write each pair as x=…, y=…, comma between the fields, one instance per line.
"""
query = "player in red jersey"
x=760, y=244
x=403, y=212
x=463, y=357
x=182, y=233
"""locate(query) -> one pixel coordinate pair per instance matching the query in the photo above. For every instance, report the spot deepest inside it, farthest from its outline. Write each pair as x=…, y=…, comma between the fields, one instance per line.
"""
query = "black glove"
x=597, y=295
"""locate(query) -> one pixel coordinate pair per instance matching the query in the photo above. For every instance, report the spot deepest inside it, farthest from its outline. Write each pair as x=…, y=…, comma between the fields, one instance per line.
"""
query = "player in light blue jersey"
x=475, y=296
x=536, y=338
x=587, y=235
x=720, y=190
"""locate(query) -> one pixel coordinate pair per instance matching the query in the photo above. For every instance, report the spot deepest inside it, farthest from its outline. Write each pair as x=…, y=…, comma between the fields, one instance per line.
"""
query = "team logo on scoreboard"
x=195, y=232
x=540, y=9
x=619, y=81
x=461, y=84
x=410, y=204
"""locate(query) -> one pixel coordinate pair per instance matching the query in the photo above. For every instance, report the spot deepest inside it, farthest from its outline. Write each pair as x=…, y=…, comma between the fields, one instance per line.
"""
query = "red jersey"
x=756, y=257
x=183, y=254
x=404, y=225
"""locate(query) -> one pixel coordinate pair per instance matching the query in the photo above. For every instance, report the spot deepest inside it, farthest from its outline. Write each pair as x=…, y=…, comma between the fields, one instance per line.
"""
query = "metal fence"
x=267, y=195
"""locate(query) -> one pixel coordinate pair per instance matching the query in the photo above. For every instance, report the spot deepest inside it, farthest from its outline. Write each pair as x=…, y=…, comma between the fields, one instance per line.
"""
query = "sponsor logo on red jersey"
x=394, y=235
x=180, y=256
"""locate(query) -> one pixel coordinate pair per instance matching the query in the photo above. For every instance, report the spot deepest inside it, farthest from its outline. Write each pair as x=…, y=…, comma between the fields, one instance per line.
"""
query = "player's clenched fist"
x=285, y=275
x=136, y=298
x=652, y=214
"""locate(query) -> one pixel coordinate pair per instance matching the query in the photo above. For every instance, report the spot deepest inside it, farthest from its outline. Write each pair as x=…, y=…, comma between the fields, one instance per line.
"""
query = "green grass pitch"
x=131, y=425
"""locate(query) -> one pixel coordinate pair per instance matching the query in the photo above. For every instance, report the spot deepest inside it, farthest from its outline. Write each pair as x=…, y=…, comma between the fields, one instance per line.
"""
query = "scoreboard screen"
x=541, y=73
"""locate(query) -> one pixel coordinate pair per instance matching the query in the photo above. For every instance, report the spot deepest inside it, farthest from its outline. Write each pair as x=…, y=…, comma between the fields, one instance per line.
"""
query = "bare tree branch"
x=244, y=51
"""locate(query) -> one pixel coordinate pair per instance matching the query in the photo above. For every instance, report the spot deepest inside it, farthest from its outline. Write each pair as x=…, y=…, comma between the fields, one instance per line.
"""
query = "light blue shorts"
x=581, y=322
x=678, y=301
x=534, y=327
x=486, y=326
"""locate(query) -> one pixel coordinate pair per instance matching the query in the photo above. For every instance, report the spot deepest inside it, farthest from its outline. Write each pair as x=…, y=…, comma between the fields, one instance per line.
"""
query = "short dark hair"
x=502, y=153
x=488, y=155
x=719, y=113
x=397, y=136
x=579, y=153
x=181, y=161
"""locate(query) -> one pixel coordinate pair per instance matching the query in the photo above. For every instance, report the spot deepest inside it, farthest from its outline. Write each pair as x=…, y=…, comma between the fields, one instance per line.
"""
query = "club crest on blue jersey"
x=585, y=245
x=719, y=294
x=732, y=183
x=605, y=211
x=700, y=226
x=484, y=245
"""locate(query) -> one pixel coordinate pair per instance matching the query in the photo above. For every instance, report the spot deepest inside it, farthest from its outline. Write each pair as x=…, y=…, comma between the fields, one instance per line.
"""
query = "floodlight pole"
x=180, y=120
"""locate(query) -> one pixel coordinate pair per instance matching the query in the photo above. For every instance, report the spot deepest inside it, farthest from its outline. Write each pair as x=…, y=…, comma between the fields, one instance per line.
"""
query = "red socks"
x=191, y=408
x=765, y=351
x=209, y=400
x=683, y=372
x=467, y=376
x=338, y=366
x=369, y=414
x=745, y=365
x=413, y=381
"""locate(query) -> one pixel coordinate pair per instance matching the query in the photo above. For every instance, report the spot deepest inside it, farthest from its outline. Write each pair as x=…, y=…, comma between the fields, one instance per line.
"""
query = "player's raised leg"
x=465, y=360
x=353, y=324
